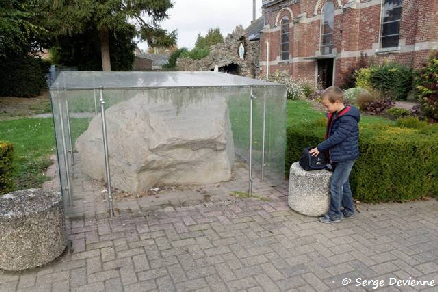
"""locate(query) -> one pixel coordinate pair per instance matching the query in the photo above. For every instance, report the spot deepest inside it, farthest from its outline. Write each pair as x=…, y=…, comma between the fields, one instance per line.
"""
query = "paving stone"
x=384, y=268
x=102, y=276
x=94, y=287
x=113, y=285
x=152, y=274
x=61, y=286
x=315, y=282
x=165, y=284
x=141, y=287
x=266, y=283
x=241, y=284
x=25, y=281
x=78, y=277
x=94, y=265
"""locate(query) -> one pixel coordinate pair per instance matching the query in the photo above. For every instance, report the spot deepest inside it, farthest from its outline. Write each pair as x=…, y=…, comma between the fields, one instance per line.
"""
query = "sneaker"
x=347, y=216
x=328, y=219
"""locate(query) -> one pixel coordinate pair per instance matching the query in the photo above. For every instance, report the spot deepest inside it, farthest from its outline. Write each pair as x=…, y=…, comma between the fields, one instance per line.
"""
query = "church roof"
x=254, y=29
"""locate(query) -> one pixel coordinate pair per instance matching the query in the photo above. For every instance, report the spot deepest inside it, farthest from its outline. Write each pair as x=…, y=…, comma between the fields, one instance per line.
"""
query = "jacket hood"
x=351, y=111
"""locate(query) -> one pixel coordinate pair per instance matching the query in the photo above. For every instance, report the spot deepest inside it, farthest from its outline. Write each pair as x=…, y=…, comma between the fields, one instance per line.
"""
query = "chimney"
x=253, y=10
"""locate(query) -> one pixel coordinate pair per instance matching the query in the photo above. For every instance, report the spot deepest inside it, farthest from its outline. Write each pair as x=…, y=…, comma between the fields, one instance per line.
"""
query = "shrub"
x=398, y=112
x=316, y=95
x=349, y=75
x=395, y=164
x=411, y=123
x=307, y=89
x=351, y=95
x=372, y=102
x=294, y=87
x=392, y=79
x=426, y=84
x=23, y=76
x=196, y=53
x=363, y=78
x=417, y=112
x=173, y=56
x=6, y=175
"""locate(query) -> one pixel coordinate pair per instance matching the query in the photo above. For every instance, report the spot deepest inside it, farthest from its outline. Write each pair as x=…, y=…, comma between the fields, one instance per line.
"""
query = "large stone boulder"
x=309, y=192
x=160, y=137
x=32, y=229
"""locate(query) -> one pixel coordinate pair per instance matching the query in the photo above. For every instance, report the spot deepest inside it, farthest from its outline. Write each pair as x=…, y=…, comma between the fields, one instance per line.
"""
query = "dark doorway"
x=325, y=72
x=230, y=68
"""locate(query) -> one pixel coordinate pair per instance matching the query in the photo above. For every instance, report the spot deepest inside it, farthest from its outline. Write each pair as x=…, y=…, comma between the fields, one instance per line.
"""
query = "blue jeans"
x=340, y=191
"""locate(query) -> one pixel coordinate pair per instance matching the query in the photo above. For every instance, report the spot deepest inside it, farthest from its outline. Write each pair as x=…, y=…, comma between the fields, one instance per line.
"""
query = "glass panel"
x=285, y=55
x=391, y=28
x=91, y=79
x=285, y=47
x=285, y=38
x=390, y=41
x=158, y=114
x=327, y=39
x=327, y=28
x=392, y=14
x=274, y=103
x=326, y=50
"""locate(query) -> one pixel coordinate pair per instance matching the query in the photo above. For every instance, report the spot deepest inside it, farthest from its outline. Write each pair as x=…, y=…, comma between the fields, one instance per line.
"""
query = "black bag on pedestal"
x=310, y=162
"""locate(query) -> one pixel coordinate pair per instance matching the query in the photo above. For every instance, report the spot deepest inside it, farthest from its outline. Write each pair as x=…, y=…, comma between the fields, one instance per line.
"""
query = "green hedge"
x=6, y=176
x=395, y=164
x=23, y=76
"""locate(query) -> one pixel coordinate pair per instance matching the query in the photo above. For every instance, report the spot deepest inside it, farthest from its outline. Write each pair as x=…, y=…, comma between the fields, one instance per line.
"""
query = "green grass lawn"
x=34, y=141
x=302, y=112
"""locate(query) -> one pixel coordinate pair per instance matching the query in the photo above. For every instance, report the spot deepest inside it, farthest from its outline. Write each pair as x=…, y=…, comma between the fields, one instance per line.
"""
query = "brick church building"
x=315, y=40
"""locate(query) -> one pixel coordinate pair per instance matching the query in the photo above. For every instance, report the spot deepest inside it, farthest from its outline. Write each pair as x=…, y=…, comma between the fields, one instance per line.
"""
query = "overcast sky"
x=191, y=17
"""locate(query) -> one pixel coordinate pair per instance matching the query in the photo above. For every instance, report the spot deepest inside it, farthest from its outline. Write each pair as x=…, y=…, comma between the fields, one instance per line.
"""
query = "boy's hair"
x=333, y=93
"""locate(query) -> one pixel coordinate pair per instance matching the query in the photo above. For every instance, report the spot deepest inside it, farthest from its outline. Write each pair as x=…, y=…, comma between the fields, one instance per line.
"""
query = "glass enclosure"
x=136, y=130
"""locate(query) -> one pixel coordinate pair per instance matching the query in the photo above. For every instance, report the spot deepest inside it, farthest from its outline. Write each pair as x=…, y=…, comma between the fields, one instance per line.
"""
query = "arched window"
x=327, y=28
x=284, y=48
x=392, y=11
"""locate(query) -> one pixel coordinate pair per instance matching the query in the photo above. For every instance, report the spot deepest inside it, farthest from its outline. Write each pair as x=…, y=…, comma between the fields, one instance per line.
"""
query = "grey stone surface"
x=309, y=190
x=226, y=53
x=161, y=138
x=262, y=245
x=32, y=229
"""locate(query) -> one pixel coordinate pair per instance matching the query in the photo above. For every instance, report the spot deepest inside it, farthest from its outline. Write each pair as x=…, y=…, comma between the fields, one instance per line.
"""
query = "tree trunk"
x=104, y=48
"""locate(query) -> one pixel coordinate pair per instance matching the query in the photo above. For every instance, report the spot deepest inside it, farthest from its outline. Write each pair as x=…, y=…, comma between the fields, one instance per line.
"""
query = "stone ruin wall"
x=227, y=53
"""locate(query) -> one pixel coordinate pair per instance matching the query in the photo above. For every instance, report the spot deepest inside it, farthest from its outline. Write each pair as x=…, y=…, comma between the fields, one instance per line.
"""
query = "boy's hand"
x=314, y=152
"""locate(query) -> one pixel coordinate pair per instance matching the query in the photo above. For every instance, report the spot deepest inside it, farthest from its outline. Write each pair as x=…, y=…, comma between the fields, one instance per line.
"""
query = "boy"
x=342, y=141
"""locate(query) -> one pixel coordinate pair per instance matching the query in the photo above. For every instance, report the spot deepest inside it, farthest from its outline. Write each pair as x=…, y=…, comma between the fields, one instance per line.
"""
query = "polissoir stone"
x=32, y=229
x=309, y=192
x=155, y=140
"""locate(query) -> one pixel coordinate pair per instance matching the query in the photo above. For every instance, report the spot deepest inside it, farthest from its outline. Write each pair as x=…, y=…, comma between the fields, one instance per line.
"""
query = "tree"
x=21, y=73
x=69, y=17
x=19, y=33
x=83, y=50
x=173, y=57
x=213, y=37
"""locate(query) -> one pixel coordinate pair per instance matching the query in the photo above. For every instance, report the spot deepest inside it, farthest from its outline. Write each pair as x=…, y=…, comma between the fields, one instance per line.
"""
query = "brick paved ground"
x=234, y=244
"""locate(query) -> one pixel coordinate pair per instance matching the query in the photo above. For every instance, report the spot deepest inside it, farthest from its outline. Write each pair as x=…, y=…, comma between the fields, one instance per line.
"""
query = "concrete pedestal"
x=309, y=192
x=32, y=229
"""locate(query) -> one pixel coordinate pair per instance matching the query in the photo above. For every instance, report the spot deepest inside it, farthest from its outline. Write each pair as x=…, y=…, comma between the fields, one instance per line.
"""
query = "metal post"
x=250, y=142
x=95, y=102
x=64, y=146
x=263, y=138
x=105, y=146
x=267, y=60
x=69, y=133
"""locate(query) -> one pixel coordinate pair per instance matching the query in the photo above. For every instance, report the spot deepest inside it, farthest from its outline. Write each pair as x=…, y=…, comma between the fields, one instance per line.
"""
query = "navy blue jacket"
x=342, y=135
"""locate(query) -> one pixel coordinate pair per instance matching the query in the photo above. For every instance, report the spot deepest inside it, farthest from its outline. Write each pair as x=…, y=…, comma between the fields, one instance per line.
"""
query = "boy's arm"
x=343, y=131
